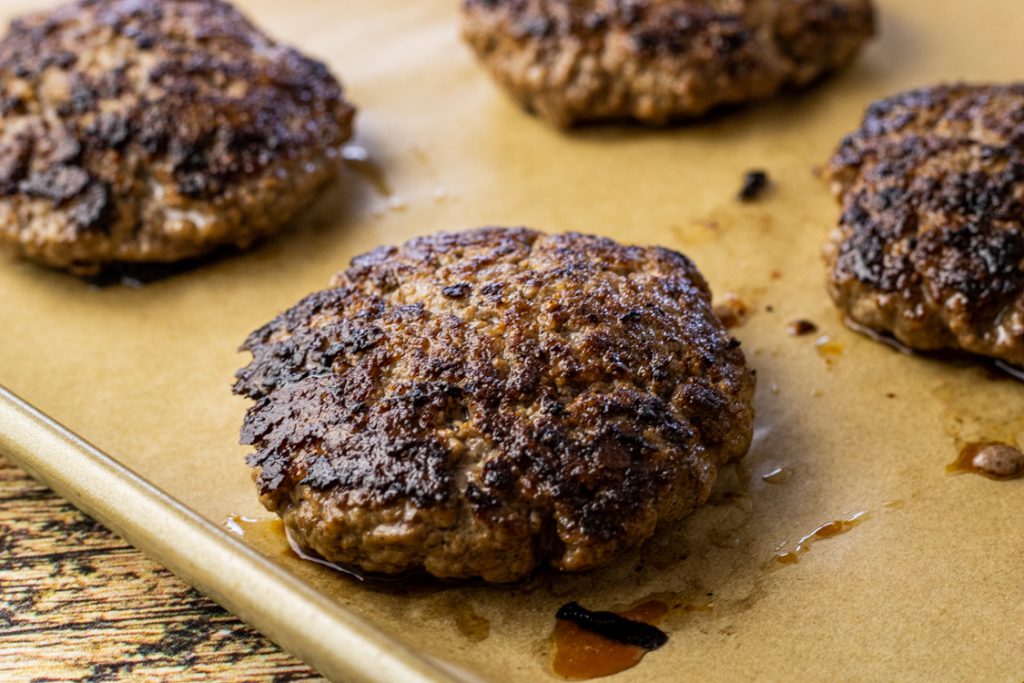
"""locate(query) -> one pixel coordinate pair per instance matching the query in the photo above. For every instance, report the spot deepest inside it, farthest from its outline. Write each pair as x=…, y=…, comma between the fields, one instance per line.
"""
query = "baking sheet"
x=926, y=587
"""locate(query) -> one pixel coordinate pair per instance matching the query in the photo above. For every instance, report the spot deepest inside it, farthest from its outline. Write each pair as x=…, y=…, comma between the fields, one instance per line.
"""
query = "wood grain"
x=77, y=603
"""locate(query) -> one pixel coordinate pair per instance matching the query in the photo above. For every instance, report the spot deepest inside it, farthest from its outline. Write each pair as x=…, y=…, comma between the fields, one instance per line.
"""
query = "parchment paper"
x=926, y=587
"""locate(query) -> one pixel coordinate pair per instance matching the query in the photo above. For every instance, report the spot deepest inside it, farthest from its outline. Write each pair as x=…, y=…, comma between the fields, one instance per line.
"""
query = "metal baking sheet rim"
x=337, y=643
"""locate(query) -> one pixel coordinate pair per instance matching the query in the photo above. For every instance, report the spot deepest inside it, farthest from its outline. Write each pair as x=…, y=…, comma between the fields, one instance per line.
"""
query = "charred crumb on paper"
x=755, y=185
x=801, y=327
x=613, y=626
x=732, y=310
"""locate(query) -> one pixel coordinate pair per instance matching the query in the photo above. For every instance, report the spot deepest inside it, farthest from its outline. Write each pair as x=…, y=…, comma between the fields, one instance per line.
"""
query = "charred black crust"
x=196, y=98
x=206, y=139
x=755, y=184
x=627, y=384
x=932, y=193
x=670, y=27
x=654, y=27
x=613, y=627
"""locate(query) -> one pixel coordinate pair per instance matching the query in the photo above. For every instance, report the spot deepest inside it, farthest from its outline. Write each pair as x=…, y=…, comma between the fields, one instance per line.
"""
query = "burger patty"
x=930, y=244
x=479, y=403
x=659, y=60
x=156, y=130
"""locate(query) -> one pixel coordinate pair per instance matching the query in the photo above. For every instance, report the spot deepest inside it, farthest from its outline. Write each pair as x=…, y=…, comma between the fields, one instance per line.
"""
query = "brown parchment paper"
x=928, y=585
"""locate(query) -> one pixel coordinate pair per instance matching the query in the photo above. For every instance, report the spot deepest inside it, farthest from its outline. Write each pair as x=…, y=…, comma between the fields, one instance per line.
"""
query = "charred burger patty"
x=659, y=60
x=930, y=243
x=478, y=403
x=156, y=130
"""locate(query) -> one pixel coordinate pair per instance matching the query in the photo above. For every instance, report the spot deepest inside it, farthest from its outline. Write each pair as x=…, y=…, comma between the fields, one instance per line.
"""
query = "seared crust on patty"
x=930, y=245
x=156, y=130
x=659, y=60
x=478, y=403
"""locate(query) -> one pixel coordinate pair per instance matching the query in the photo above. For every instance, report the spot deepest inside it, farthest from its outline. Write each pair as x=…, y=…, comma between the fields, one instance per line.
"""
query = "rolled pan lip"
x=339, y=644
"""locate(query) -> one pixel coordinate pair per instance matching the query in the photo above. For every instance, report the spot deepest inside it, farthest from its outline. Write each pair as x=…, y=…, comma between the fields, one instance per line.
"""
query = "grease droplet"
x=825, y=531
x=732, y=311
x=994, y=460
x=828, y=348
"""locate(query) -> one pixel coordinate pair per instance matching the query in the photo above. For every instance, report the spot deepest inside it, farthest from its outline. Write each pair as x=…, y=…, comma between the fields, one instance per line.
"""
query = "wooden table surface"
x=78, y=603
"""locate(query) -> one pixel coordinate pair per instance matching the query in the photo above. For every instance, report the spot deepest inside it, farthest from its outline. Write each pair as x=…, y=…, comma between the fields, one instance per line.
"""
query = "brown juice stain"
x=581, y=655
x=683, y=604
x=980, y=421
x=724, y=538
x=825, y=531
x=695, y=600
x=829, y=348
x=661, y=553
x=735, y=499
x=703, y=607
x=421, y=156
x=709, y=607
x=732, y=311
x=457, y=607
x=474, y=627
x=732, y=488
x=998, y=461
x=696, y=232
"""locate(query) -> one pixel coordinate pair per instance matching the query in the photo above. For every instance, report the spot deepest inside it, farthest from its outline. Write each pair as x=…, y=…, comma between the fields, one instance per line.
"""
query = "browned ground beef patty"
x=659, y=60
x=156, y=130
x=479, y=403
x=930, y=245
